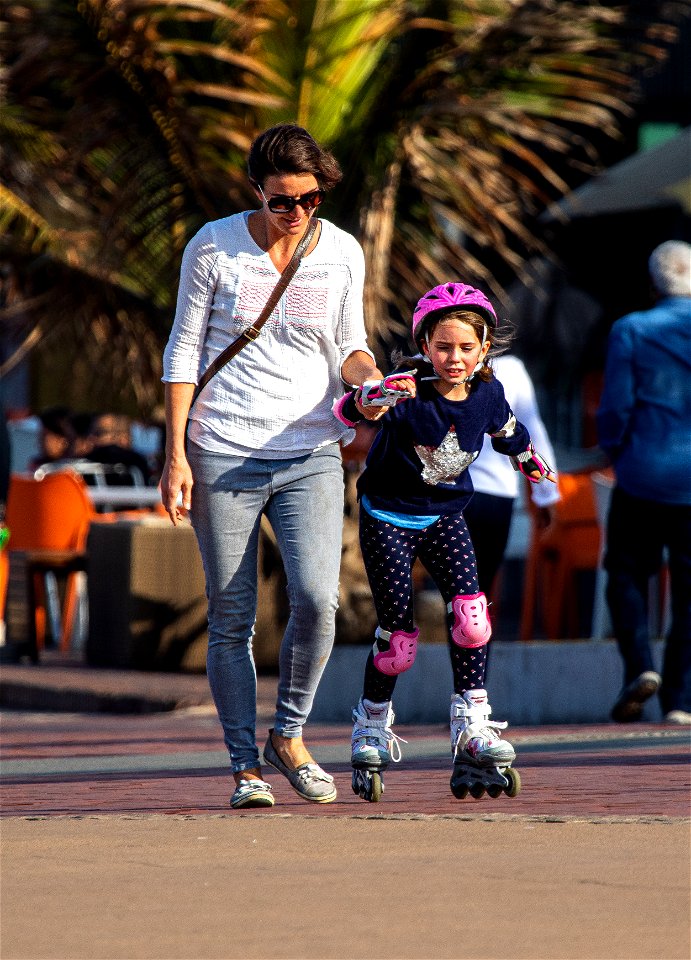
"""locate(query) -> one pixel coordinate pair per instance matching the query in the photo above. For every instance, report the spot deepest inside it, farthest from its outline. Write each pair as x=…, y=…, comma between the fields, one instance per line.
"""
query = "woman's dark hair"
x=287, y=148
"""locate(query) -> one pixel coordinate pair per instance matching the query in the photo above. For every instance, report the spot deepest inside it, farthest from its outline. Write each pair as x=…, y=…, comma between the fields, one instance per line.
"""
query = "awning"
x=658, y=177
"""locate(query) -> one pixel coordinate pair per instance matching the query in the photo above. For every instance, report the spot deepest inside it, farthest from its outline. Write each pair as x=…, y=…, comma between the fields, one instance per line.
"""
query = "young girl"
x=412, y=491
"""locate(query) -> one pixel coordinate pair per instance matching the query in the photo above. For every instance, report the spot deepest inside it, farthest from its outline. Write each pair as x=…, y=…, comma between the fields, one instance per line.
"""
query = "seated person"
x=57, y=436
x=82, y=424
x=111, y=444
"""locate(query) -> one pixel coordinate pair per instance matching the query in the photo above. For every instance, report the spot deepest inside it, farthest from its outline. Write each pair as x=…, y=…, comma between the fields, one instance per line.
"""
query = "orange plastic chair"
x=49, y=522
x=4, y=577
x=555, y=555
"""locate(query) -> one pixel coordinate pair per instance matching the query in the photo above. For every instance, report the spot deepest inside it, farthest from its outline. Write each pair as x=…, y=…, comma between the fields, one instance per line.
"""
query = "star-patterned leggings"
x=389, y=552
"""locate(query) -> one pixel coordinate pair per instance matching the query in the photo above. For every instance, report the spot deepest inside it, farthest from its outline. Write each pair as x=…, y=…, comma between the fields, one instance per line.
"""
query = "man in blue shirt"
x=644, y=425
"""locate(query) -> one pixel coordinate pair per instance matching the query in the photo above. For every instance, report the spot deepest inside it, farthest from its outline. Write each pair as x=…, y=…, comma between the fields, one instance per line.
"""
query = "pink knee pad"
x=470, y=626
x=401, y=653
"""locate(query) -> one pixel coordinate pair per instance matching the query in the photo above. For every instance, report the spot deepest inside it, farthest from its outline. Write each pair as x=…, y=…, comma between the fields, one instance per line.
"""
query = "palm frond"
x=125, y=125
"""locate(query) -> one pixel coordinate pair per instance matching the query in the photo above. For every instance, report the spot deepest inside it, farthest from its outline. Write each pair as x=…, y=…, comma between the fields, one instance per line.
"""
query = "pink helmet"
x=449, y=296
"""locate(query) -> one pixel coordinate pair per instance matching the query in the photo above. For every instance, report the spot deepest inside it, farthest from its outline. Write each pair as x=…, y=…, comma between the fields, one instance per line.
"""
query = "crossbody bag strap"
x=252, y=332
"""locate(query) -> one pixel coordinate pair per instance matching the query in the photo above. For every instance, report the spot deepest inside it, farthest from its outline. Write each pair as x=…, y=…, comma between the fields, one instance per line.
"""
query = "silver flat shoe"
x=252, y=793
x=308, y=780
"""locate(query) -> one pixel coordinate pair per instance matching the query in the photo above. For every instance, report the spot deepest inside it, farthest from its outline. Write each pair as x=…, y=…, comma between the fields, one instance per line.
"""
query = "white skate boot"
x=481, y=759
x=374, y=747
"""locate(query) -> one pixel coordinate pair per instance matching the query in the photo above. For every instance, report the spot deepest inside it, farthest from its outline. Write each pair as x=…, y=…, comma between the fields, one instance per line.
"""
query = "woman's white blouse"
x=274, y=398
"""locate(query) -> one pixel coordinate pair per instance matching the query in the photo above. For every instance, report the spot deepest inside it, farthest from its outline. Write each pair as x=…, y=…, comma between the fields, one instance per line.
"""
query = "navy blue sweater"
x=418, y=461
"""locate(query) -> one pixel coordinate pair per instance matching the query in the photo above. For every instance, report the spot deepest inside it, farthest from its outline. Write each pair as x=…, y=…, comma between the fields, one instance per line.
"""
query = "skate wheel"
x=459, y=790
x=368, y=785
x=476, y=791
x=494, y=791
x=376, y=788
x=514, y=787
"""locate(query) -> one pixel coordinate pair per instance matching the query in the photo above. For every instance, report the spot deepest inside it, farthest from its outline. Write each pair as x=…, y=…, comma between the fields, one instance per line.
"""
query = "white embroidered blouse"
x=274, y=398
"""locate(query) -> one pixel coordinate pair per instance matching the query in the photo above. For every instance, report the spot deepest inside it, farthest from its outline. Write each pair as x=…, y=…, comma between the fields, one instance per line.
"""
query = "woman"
x=262, y=440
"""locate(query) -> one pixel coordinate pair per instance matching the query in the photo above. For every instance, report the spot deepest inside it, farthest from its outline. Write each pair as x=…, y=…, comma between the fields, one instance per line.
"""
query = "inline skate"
x=481, y=759
x=374, y=746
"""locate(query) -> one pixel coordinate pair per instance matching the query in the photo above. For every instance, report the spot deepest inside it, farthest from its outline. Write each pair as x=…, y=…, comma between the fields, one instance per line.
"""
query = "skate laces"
x=377, y=733
x=394, y=742
x=472, y=722
x=486, y=732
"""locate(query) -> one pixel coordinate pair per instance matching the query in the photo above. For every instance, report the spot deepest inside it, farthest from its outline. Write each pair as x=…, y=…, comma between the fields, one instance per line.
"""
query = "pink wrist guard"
x=337, y=410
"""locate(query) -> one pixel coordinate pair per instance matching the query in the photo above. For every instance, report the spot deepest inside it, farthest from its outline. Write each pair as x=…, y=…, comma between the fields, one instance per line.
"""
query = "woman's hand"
x=176, y=479
x=176, y=488
x=545, y=517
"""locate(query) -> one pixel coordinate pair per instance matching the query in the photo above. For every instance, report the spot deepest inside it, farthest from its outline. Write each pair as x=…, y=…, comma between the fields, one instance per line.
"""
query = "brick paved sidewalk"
x=175, y=763
x=163, y=753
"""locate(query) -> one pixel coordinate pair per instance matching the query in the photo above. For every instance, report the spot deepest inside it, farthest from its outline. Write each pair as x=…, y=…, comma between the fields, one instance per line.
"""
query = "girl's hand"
x=369, y=412
x=538, y=477
x=386, y=392
x=533, y=466
x=404, y=383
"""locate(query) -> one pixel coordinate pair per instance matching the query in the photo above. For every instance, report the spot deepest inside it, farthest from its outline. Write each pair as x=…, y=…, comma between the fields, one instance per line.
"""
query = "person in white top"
x=262, y=440
x=489, y=513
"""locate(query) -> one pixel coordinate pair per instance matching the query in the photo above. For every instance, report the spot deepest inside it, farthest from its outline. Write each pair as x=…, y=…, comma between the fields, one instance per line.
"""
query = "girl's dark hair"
x=287, y=148
x=499, y=342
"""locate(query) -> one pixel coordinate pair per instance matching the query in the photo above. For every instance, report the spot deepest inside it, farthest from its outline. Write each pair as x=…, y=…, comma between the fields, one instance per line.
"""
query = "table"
x=147, y=599
x=114, y=498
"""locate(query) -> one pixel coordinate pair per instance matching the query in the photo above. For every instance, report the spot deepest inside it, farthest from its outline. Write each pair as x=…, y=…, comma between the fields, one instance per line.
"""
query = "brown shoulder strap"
x=252, y=332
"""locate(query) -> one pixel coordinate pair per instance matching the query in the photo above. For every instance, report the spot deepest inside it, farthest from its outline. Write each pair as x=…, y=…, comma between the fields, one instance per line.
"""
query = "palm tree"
x=125, y=125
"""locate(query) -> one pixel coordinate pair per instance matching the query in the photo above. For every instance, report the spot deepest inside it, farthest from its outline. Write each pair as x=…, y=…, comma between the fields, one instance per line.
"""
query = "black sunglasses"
x=280, y=203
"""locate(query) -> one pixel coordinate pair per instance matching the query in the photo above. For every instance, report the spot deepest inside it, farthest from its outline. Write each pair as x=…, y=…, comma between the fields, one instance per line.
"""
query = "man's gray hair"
x=670, y=268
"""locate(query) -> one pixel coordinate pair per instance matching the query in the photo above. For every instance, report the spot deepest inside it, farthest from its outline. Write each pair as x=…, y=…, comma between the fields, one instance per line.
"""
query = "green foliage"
x=125, y=124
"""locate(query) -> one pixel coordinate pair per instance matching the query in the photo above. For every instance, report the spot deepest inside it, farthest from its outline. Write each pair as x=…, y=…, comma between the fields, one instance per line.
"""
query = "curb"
x=69, y=687
x=21, y=696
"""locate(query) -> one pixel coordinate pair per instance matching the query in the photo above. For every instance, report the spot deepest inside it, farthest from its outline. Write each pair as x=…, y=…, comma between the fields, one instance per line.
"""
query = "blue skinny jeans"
x=303, y=501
